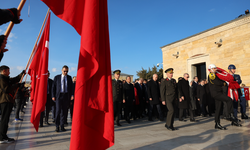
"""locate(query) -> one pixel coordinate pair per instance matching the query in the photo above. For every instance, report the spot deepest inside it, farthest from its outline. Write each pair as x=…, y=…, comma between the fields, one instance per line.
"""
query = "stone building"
x=122, y=76
x=222, y=45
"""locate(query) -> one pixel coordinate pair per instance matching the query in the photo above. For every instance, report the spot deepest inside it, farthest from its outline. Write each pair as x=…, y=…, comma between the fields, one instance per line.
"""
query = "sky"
x=137, y=28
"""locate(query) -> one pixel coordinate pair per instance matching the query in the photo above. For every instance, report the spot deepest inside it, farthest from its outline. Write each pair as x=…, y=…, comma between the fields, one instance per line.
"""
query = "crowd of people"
x=169, y=98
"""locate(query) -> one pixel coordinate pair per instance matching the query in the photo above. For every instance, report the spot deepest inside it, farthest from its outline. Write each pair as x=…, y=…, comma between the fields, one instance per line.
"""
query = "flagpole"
x=34, y=48
x=19, y=8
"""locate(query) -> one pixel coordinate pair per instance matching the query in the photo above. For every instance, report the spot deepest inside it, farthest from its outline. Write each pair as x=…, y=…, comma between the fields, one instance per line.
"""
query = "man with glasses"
x=184, y=98
x=62, y=93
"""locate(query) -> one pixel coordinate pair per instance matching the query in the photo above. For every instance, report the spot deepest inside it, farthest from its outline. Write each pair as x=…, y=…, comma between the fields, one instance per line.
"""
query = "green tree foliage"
x=148, y=74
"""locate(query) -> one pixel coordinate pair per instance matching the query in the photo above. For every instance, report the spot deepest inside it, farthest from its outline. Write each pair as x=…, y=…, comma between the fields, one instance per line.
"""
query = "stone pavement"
x=139, y=135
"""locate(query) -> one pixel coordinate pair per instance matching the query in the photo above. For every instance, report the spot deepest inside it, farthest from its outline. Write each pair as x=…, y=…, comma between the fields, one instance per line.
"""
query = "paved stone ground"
x=139, y=135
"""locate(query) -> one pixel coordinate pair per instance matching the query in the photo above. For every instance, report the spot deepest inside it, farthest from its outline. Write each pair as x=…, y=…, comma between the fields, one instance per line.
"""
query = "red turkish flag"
x=246, y=91
x=233, y=85
x=39, y=75
x=93, y=120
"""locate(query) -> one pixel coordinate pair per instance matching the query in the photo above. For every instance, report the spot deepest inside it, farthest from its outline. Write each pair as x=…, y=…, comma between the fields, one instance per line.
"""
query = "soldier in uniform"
x=117, y=95
x=216, y=90
x=168, y=97
x=232, y=70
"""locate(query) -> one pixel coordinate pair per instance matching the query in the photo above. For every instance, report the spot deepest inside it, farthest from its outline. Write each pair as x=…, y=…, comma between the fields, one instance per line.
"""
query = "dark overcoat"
x=183, y=90
x=154, y=92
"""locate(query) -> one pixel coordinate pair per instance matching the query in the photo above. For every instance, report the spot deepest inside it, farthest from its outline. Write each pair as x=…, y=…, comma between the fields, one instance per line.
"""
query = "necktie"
x=64, y=84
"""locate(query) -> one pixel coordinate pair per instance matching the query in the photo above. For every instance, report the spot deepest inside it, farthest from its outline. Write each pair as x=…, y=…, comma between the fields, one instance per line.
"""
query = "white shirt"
x=66, y=84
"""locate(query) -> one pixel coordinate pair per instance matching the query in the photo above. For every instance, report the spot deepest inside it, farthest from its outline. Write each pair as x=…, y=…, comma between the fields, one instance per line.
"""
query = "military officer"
x=117, y=95
x=232, y=70
x=216, y=89
x=168, y=96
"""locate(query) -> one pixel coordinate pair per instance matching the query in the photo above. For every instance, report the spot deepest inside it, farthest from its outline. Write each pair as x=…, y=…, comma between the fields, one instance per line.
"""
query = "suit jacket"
x=168, y=90
x=201, y=93
x=49, y=91
x=194, y=87
x=128, y=93
x=183, y=90
x=117, y=90
x=141, y=92
x=56, y=87
x=154, y=92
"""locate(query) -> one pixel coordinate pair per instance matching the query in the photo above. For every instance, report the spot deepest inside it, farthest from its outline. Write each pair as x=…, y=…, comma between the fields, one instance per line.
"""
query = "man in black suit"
x=62, y=93
x=184, y=98
x=117, y=96
x=202, y=97
x=168, y=96
x=154, y=97
x=129, y=97
x=49, y=103
x=194, y=88
x=141, y=95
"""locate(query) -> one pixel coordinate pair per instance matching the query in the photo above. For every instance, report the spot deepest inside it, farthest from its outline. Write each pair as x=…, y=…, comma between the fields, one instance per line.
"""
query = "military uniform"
x=216, y=89
x=169, y=95
x=117, y=98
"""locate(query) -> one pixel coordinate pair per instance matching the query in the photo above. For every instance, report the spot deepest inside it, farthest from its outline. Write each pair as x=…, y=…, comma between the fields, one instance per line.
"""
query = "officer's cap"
x=117, y=72
x=169, y=70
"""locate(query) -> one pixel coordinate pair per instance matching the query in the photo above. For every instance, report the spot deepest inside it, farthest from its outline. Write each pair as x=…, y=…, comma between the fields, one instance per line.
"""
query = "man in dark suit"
x=202, y=97
x=141, y=95
x=168, y=96
x=117, y=96
x=184, y=98
x=194, y=88
x=129, y=97
x=154, y=97
x=62, y=93
x=216, y=89
x=49, y=103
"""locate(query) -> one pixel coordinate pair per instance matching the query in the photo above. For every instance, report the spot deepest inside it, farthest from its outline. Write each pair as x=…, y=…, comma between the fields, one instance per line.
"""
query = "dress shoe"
x=162, y=119
x=47, y=123
x=66, y=124
x=210, y=115
x=192, y=120
x=232, y=117
x=128, y=121
x=218, y=126
x=63, y=129
x=57, y=129
x=169, y=128
x=53, y=121
x=41, y=125
x=118, y=124
x=236, y=123
x=182, y=120
x=244, y=116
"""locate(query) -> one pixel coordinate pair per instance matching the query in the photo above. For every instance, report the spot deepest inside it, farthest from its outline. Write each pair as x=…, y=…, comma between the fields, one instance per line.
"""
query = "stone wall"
x=199, y=48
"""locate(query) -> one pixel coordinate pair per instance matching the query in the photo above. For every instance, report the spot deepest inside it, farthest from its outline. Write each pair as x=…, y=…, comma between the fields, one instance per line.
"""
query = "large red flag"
x=93, y=120
x=233, y=86
x=246, y=92
x=39, y=74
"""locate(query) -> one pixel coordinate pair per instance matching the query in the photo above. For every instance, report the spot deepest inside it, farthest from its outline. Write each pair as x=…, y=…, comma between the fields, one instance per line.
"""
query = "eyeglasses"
x=65, y=71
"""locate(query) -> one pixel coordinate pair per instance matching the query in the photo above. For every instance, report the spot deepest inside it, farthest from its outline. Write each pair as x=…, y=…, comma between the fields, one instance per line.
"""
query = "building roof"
x=207, y=30
x=122, y=74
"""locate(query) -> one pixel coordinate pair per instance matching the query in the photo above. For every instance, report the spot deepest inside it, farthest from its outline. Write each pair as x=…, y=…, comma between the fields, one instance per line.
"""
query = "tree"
x=148, y=74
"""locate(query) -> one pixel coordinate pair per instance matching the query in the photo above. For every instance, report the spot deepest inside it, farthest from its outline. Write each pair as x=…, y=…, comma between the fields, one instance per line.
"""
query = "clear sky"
x=138, y=28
